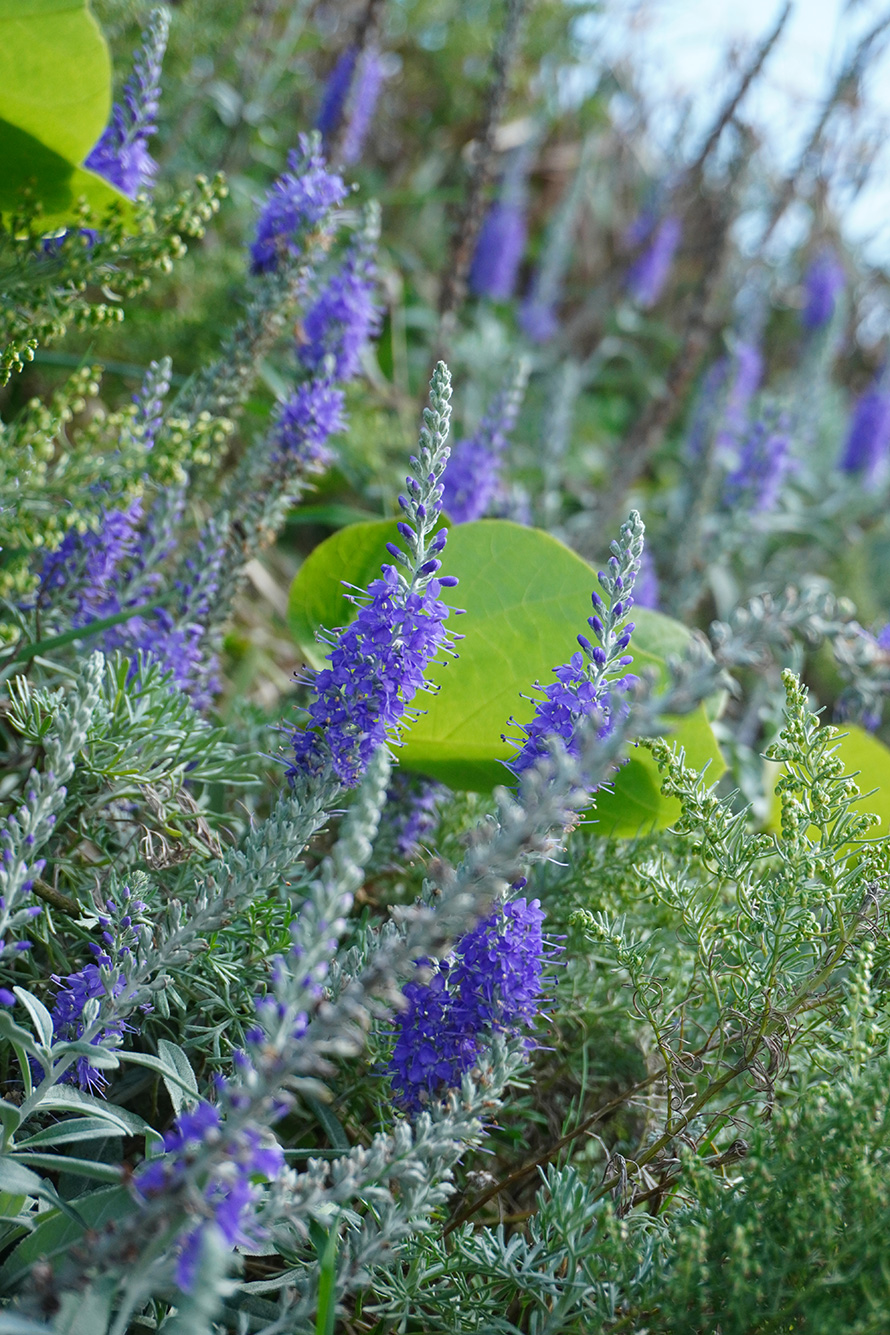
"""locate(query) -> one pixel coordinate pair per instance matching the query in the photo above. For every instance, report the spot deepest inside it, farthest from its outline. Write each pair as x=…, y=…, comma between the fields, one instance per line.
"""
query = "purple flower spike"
x=378, y=663
x=499, y=251
x=230, y=1192
x=473, y=480
x=74, y=992
x=344, y=317
x=121, y=155
x=593, y=681
x=298, y=202
x=745, y=374
x=823, y=284
x=363, y=95
x=95, y=572
x=867, y=450
x=86, y=565
x=646, y=586
x=537, y=320
x=304, y=422
x=99, y=981
x=493, y=984
x=432, y=1051
x=501, y=243
x=764, y=462
x=336, y=92
x=650, y=272
x=498, y=975
x=351, y=94
x=377, y=666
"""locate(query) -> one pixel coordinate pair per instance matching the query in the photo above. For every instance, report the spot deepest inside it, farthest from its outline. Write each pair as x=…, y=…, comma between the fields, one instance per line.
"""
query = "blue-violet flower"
x=377, y=664
x=593, y=680
x=473, y=480
x=493, y=983
x=121, y=155
x=650, y=271
x=867, y=449
x=823, y=282
x=299, y=201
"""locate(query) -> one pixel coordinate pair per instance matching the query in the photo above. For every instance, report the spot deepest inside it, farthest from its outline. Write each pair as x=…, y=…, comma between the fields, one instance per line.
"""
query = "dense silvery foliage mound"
x=443, y=652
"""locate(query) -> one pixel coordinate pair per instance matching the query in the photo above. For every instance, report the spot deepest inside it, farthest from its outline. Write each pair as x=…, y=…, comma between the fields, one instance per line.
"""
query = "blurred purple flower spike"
x=823, y=284
x=537, y=320
x=499, y=251
x=473, y=483
x=867, y=451
x=764, y=462
x=299, y=200
x=646, y=587
x=344, y=317
x=121, y=156
x=743, y=376
x=651, y=270
x=336, y=92
x=366, y=85
x=350, y=97
x=304, y=421
x=501, y=243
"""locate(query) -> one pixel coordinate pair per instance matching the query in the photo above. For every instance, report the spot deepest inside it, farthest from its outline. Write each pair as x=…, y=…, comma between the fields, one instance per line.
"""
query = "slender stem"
x=50, y=895
x=455, y=285
x=532, y=1165
x=732, y=105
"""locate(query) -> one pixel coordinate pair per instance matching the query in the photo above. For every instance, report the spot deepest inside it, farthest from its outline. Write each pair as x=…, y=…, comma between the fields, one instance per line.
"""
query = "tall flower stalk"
x=121, y=155
x=594, y=679
x=473, y=480
x=650, y=271
x=377, y=664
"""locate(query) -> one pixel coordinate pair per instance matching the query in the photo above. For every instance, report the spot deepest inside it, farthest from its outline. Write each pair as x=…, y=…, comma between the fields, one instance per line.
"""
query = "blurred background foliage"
x=242, y=80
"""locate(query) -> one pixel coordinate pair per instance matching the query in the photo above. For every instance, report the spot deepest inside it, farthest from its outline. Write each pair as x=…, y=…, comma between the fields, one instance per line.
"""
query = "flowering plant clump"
x=349, y=982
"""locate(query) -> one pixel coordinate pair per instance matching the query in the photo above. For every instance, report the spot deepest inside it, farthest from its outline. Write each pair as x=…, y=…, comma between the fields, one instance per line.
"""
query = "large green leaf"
x=55, y=99
x=526, y=596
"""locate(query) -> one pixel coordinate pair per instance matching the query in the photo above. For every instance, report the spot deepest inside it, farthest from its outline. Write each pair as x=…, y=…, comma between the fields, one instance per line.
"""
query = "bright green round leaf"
x=55, y=100
x=526, y=596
